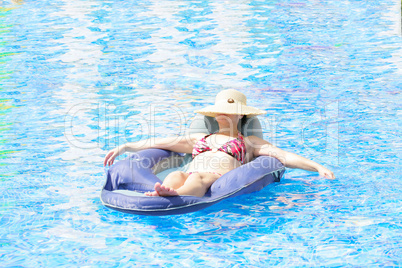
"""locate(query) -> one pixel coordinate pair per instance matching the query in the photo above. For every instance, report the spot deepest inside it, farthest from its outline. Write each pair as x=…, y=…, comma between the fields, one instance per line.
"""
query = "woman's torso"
x=217, y=158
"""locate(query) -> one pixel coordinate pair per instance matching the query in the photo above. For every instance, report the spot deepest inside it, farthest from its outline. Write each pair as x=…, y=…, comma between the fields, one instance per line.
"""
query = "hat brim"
x=229, y=108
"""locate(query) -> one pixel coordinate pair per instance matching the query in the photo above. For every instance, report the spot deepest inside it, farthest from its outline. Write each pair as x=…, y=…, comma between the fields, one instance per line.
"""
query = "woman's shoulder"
x=254, y=140
x=197, y=136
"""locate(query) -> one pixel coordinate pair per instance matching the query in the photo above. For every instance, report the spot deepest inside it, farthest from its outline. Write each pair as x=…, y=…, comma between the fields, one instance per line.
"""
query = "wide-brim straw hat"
x=230, y=101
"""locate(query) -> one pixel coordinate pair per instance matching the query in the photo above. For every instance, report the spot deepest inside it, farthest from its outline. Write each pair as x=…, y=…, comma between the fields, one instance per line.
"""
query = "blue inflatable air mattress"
x=129, y=179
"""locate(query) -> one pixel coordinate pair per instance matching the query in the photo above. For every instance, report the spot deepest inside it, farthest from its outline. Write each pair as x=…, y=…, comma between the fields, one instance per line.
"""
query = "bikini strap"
x=206, y=136
x=240, y=136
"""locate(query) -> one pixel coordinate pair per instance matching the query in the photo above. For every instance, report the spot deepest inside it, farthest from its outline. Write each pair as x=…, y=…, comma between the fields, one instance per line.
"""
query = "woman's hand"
x=112, y=154
x=326, y=173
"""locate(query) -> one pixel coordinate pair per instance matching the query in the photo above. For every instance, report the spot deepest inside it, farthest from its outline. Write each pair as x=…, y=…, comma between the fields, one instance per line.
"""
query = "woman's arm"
x=180, y=144
x=290, y=160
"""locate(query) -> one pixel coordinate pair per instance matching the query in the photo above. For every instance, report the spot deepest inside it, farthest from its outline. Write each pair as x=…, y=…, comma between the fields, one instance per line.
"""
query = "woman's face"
x=228, y=119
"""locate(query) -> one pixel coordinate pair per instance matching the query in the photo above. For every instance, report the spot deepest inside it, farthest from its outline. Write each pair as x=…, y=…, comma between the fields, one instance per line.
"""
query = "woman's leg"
x=173, y=180
x=196, y=184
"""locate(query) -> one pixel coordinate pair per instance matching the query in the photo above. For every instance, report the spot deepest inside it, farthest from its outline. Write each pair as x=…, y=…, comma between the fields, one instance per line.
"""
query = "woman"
x=217, y=153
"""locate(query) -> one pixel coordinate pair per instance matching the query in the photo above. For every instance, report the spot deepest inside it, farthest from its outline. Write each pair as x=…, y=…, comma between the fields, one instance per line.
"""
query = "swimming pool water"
x=78, y=78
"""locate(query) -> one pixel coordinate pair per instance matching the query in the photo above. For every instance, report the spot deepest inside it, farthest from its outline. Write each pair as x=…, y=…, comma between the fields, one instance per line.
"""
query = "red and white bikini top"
x=235, y=148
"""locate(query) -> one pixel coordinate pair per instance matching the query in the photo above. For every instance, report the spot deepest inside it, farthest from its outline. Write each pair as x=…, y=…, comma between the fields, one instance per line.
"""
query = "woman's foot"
x=162, y=190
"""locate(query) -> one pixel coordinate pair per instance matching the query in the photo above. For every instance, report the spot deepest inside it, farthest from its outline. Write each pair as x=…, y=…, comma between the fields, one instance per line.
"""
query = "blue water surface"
x=78, y=78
